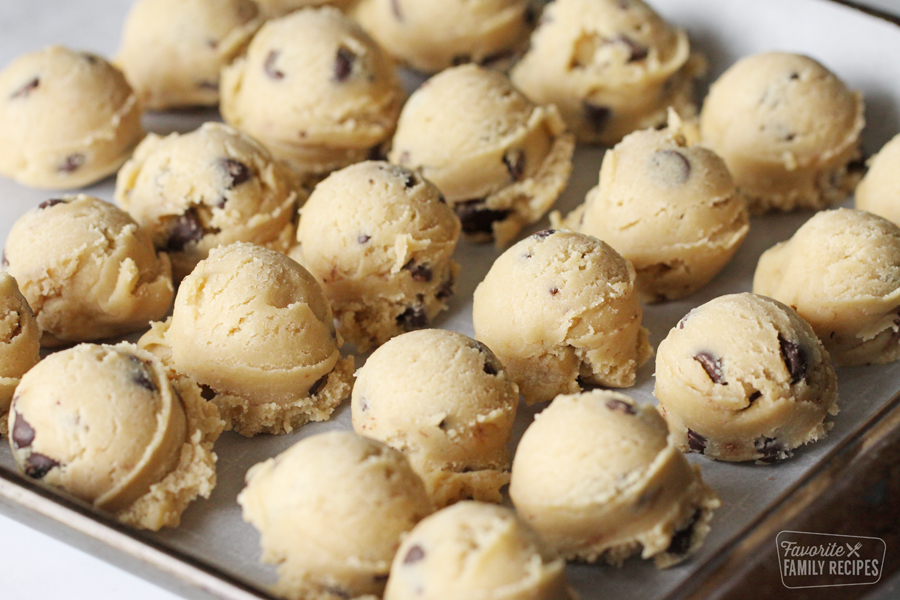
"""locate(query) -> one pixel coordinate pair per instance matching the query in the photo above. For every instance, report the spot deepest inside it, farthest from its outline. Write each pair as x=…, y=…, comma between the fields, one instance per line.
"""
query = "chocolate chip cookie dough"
x=743, y=377
x=433, y=35
x=600, y=478
x=105, y=424
x=371, y=498
x=207, y=188
x=879, y=190
x=315, y=89
x=87, y=270
x=560, y=310
x=20, y=342
x=500, y=160
x=788, y=129
x=446, y=402
x=610, y=66
x=841, y=272
x=67, y=119
x=255, y=330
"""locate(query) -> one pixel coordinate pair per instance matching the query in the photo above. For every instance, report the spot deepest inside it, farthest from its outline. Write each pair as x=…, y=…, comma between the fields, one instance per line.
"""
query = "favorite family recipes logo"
x=826, y=560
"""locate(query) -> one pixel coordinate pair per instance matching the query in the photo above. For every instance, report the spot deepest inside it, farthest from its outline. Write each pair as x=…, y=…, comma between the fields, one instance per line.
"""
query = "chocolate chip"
x=682, y=321
x=597, y=116
x=235, y=171
x=26, y=89
x=696, y=442
x=415, y=554
x=794, y=76
x=621, y=406
x=543, y=234
x=315, y=388
x=140, y=374
x=515, y=164
x=38, y=465
x=446, y=289
x=363, y=238
x=89, y=57
x=771, y=450
x=413, y=317
x=637, y=51
x=409, y=178
x=460, y=59
x=184, y=230
x=530, y=16
x=794, y=359
x=681, y=539
x=554, y=291
x=712, y=366
x=476, y=218
x=22, y=433
x=206, y=392
x=443, y=423
x=343, y=63
x=72, y=163
x=50, y=202
x=395, y=8
x=672, y=165
x=420, y=273
x=754, y=397
x=858, y=165
x=269, y=65
x=491, y=364
x=496, y=57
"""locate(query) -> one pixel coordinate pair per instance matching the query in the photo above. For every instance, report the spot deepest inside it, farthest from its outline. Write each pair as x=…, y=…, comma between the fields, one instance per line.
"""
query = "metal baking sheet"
x=214, y=550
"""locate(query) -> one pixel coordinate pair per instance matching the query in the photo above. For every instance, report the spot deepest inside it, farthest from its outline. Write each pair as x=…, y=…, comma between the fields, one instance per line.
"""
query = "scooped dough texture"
x=446, y=402
x=380, y=239
x=20, y=342
x=743, y=377
x=255, y=328
x=172, y=50
x=211, y=187
x=600, y=477
x=612, y=67
x=67, y=119
x=105, y=424
x=330, y=511
x=788, y=130
x=559, y=309
x=479, y=31
x=476, y=551
x=841, y=272
x=879, y=190
x=500, y=160
x=87, y=270
x=315, y=89
x=279, y=8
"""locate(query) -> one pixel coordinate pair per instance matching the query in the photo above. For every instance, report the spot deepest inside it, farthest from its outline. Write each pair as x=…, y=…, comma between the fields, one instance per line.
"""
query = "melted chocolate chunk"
x=184, y=230
x=415, y=554
x=22, y=433
x=38, y=465
x=141, y=375
x=794, y=358
x=395, y=8
x=412, y=318
x=712, y=366
x=544, y=234
x=681, y=539
x=50, y=202
x=269, y=65
x=696, y=442
x=343, y=63
x=771, y=450
x=597, y=116
x=637, y=51
x=476, y=218
x=315, y=388
x=621, y=406
x=235, y=171
x=515, y=164
x=72, y=163
x=26, y=89
x=672, y=165
x=363, y=238
x=206, y=392
x=420, y=273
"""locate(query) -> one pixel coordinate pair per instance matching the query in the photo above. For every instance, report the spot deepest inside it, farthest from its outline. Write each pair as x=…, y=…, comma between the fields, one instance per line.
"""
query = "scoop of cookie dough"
x=279, y=8
x=445, y=401
x=87, y=270
x=20, y=342
x=67, y=119
x=432, y=35
x=172, y=50
x=611, y=67
x=841, y=273
x=879, y=191
x=315, y=89
x=743, y=377
x=668, y=206
x=105, y=424
x=254, y=328
x=500, y=160
x=370, y=497
x=560, y=310
x=600, y=478
x=380, y=238
x=788, y=130
x=211, y=187
x=476, y=550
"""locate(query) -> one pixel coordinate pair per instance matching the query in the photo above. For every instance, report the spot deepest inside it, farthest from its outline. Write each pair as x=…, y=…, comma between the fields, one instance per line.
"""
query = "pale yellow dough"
x=879, y=190
x=20, y=342
x=279, y=8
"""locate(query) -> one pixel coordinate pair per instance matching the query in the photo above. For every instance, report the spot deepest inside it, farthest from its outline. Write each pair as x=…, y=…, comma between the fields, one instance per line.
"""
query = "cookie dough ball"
x=743, y=377
x=669, y=207
x=211, y=187
x=841, y=272
x=600, y=478
x=172, y=50
x=255, y=330
x=611, y=66
x=105, y=424
x=279, y=8
x=371, y=498
x=560, y=310
x=788, y=130
x=380, y=239
x=879, y=190
x=87, y=270
x=432, y=35
x=446, y=402
x=500, y=160
x=67, y=119
x=315, y=89
x=475, y=550
x=20, y=342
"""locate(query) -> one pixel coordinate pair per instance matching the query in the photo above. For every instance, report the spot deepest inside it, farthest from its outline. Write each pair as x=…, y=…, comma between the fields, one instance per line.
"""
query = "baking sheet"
x=859, y=48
